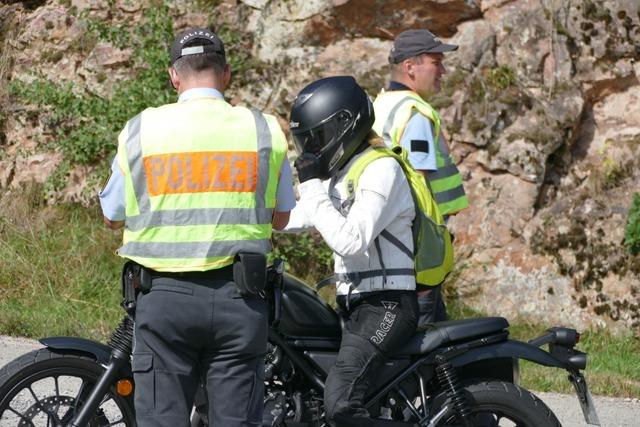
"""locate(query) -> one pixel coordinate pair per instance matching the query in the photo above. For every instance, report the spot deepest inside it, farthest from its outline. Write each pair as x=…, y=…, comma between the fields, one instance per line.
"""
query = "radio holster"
x=135, y=279
x=250, y=272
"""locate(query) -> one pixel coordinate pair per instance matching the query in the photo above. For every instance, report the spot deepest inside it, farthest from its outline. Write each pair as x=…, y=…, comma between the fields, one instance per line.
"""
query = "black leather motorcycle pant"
x=376, y=324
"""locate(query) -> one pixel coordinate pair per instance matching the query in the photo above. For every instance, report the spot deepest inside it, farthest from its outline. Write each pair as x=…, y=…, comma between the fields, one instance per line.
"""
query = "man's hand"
x=280, y=220
x=308, y=167
x=114, y=225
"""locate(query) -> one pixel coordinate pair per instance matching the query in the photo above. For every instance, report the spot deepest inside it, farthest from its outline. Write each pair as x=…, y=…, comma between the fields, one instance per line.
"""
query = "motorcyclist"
x=331, y=122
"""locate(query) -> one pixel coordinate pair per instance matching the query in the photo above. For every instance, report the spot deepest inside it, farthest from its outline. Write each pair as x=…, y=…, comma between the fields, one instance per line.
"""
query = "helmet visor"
x=322, y=137
x=311, y=141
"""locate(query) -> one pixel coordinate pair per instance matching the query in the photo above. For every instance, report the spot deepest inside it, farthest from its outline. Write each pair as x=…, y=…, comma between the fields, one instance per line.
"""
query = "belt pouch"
x=130, y=282
x=145, y=280
x=250, y=272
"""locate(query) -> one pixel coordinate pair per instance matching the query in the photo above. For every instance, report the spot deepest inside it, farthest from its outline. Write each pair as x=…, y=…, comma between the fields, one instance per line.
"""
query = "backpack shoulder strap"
x=355, y=171
x=352, y=184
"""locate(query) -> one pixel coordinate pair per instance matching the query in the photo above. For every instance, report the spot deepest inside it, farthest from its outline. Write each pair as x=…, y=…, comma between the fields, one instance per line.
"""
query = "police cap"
x=412, y=43
x=194, y=41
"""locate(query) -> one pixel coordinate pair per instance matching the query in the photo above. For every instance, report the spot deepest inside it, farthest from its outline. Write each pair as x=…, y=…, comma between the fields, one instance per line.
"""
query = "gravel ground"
x=613, y=412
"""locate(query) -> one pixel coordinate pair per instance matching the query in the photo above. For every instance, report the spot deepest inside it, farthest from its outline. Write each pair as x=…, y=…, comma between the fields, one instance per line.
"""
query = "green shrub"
x=632, y=230
x=306, y=255
x=500, y=78
x=84, y=125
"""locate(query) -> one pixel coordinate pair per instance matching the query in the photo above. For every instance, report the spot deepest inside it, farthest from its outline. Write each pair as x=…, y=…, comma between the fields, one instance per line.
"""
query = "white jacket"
x=382, y=201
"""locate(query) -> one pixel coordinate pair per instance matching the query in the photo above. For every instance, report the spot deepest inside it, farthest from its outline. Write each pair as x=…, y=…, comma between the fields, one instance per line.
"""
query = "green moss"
x=85, y=126
x=477, y=89
x=52, y=56
x=453, y=81
x=632, y=229
x=595, y=11
x=474, y=125
x=500, y=78
x=439, y=101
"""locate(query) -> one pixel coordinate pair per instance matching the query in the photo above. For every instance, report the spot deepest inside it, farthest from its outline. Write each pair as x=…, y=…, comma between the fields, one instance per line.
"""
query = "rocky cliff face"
x=541, y=104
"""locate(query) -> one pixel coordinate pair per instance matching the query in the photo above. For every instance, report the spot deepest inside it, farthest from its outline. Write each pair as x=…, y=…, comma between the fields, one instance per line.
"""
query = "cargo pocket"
x=172, y=288
x=255, y=404
x=144, y=377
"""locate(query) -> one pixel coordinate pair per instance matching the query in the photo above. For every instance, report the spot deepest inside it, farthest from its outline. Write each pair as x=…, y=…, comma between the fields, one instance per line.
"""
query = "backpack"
x=433, y=251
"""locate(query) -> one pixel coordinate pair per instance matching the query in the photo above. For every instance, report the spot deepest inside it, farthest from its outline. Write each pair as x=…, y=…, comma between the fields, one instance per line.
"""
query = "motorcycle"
x=453, y=373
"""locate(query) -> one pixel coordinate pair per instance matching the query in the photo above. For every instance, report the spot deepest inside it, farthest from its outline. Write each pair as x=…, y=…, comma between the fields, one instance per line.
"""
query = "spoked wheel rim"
x=50, y=398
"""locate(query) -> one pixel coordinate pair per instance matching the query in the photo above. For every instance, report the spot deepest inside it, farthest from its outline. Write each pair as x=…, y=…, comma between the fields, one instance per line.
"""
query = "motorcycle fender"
x=507, y=350
x=62, y=345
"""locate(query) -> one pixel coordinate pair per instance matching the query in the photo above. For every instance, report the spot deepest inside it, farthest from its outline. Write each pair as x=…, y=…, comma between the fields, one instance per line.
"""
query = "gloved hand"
x=308, y=167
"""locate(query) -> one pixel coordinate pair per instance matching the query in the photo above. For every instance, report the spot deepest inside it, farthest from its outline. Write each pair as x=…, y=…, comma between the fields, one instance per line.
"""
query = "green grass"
x=59, y=276
x=613, y=362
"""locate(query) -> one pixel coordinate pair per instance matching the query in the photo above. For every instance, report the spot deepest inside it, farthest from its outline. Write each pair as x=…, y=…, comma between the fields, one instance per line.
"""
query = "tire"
x=492, y=402
x=43, y=388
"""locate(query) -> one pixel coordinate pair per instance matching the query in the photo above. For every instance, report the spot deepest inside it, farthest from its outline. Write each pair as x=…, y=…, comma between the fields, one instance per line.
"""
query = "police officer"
x=404, y=117
x=194, y=183
x=331, y=121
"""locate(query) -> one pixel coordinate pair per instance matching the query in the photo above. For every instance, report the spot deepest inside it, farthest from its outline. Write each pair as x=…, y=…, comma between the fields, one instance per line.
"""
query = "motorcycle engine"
x=278, y=406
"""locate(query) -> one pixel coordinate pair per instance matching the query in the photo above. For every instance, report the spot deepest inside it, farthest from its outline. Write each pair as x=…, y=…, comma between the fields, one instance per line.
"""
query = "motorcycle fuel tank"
x=304, y=313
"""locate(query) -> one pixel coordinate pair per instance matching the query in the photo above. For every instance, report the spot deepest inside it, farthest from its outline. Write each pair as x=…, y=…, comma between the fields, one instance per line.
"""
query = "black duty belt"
x=224, y=273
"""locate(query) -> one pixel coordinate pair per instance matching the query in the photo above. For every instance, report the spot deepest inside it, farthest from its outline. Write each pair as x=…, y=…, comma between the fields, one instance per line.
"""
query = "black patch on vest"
x=419, y=146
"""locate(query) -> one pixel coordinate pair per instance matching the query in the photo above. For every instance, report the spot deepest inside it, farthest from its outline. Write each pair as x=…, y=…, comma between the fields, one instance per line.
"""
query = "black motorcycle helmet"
x=330, y=118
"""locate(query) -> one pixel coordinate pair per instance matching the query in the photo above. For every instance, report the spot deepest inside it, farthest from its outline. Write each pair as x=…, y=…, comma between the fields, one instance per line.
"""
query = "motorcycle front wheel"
x=43, y=388
x=501, y=404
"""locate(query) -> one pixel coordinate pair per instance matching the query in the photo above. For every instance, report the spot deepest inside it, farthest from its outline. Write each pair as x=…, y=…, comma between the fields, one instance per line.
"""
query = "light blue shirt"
x=112, y=196
x=417, y=139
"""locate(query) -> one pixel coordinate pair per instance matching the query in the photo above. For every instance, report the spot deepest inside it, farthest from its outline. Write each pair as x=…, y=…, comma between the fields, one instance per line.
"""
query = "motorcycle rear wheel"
x=43, y=388
x=500, y=404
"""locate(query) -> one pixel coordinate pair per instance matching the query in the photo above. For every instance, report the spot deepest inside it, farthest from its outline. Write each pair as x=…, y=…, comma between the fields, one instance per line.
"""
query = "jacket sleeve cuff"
x=312, y=194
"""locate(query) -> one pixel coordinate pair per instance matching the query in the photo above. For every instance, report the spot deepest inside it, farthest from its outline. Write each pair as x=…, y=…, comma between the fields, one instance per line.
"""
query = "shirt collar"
x=200, y=92
x=393, y=85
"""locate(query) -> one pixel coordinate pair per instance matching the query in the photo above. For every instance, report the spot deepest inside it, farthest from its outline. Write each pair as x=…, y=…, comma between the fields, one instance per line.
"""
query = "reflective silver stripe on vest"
x=134, y=157
x=193, y=250
x=199, y=216
x=449, y=195
x=263, y=135
x=444, y=172
x=386, y=130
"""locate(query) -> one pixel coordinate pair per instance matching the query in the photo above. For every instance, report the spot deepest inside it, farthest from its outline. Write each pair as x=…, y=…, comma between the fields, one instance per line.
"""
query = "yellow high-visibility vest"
x=433, y=251
x=200, y=184
x=393, y=111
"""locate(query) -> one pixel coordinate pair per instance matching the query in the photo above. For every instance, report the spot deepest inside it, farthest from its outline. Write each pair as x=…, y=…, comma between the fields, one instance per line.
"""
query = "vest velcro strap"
x=444, y=172
x=356, y=277
x=449, y=195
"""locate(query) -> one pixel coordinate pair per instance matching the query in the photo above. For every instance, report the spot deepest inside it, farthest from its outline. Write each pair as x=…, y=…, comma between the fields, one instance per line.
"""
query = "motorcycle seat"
x=434, y=335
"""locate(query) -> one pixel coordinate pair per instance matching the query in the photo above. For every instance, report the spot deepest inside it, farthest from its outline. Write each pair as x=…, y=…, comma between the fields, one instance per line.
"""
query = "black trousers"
x=188, y=330
x=375, y=325
x=431, y=305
